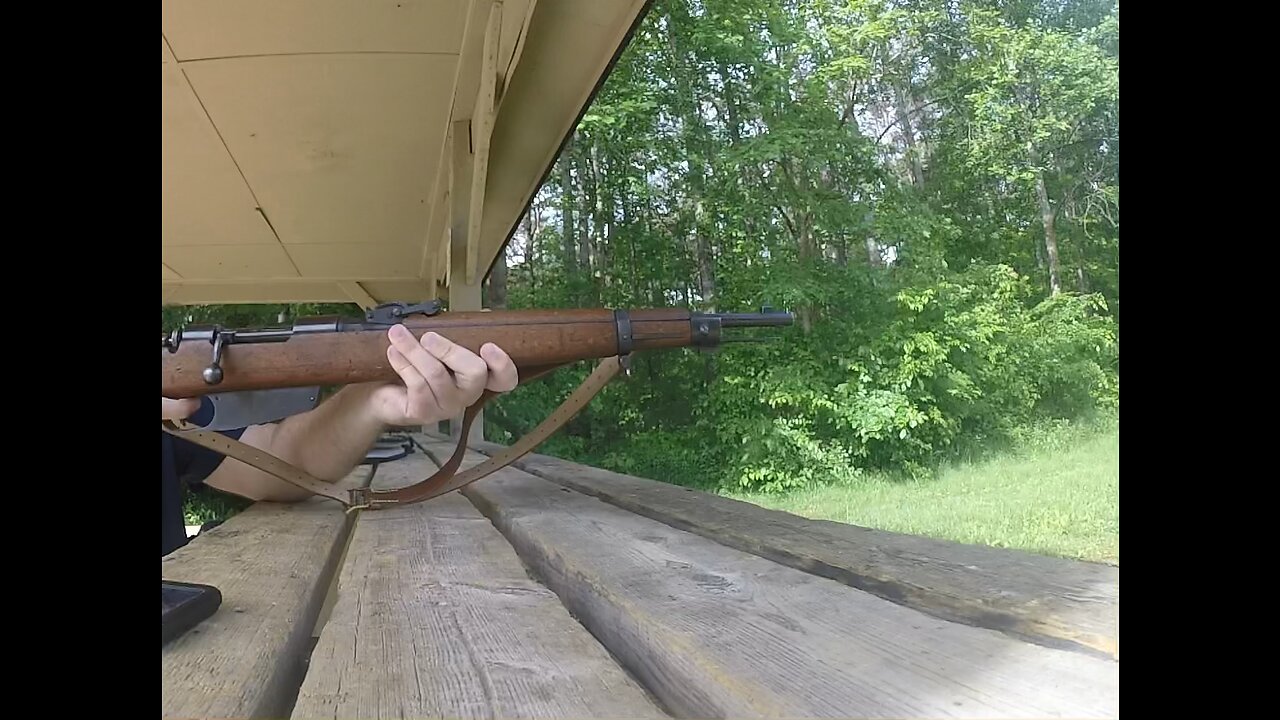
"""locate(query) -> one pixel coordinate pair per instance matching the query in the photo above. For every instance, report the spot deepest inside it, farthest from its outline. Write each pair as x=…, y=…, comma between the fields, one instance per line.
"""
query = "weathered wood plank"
x=716, y=632
x=272, y=564
x=436, y=617
x=481, y=131
x=1052, y=601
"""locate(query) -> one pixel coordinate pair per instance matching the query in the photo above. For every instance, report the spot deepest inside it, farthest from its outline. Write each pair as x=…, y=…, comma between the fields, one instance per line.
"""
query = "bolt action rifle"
x=335, y=351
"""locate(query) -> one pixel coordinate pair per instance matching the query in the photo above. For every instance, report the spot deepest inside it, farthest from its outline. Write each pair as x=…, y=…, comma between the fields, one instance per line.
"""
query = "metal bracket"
x=363, y=499
x=393, y=312
x=706, y=333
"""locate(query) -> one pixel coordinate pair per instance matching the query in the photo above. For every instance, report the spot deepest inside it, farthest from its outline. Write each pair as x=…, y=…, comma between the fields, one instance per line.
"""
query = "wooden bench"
x=435, y=617
x=272, y=564
x=1046, y=600
x=557, y=590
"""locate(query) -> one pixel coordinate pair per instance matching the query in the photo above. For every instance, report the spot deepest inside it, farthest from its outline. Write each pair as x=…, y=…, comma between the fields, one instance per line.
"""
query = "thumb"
x=179, y=409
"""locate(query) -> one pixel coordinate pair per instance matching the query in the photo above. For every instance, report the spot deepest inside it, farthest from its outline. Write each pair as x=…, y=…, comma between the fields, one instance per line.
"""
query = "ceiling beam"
x=358, y=294
x=461, y=104
x=519, y=49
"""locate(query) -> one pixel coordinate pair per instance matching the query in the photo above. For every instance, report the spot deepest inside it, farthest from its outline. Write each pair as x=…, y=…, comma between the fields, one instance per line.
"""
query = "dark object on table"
x=389, y=447
x=185, y=605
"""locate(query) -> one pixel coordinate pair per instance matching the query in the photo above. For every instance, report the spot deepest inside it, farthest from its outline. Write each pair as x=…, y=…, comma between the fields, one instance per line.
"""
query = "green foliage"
x=763, y=146
x=937, y=369
x=207, y=505
x=249, y=315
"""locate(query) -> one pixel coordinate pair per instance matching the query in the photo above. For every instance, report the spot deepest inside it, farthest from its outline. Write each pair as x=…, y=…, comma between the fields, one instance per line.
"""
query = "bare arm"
x=330, y=440
x=326, y=442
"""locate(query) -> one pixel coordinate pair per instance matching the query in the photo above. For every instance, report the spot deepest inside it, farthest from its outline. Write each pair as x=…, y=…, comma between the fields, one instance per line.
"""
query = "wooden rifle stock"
x=335, y=351
x=535, y=339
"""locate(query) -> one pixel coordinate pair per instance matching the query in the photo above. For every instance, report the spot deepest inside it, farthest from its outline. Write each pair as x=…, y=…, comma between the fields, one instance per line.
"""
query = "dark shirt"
x=184, y=462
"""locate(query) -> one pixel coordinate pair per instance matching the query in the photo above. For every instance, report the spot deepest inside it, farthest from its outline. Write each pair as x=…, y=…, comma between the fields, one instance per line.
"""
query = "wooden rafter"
x=358, y=294
x=481, y=130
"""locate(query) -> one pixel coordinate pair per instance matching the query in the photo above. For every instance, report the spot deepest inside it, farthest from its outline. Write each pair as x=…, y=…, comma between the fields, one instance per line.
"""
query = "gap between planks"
x=530, y=570
x=712, y=639
x=1048, y=601
x=513, y=668
x=203, y=674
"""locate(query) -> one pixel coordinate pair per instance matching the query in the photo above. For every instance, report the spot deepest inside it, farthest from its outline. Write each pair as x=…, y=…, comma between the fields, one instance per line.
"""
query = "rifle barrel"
x=761, y=319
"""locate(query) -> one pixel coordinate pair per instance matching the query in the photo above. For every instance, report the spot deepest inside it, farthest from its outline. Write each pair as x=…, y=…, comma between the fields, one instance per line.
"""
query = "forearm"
x=327, y=442
x=440, y=379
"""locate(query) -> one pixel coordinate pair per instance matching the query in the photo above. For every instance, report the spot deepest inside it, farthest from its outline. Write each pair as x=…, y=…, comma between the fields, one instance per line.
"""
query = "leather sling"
x=446, y=479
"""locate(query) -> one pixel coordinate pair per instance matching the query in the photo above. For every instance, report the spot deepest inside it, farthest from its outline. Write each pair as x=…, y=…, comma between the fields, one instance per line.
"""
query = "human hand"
x=429, y=393
x=179, y=409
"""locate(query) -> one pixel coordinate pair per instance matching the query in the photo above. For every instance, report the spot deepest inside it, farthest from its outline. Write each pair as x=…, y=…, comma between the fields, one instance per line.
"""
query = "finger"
x=428, y=385
x=413, y=379
x=440, y=388
x=470, y=371
x=179, y=409
x=419, y=359
x=503, y=376
x=404, y=341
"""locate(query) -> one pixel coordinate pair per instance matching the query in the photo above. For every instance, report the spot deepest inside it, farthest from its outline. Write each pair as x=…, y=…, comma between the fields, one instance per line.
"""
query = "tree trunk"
x=532, y=221
x=706, y=267
x=583, y=230
x=631, y=246
x=598, y=222
x=915, y=166
x=1071, y=214
x=874, y=258
x=568, y=237
x=1046, y=217
x=806, y=247
x=1050, y=235
x=498, y=282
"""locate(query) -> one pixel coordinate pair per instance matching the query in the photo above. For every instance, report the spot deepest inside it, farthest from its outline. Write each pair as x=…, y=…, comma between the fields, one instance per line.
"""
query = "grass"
x=1056, y=494
x=201, y=507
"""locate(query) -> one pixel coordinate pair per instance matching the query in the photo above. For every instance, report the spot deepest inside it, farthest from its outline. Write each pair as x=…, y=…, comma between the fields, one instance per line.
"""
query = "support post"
x=482, y=118
x=463, y=297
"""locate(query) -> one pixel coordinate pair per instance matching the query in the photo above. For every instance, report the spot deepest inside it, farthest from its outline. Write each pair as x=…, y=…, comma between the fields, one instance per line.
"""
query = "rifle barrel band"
x=625, y=338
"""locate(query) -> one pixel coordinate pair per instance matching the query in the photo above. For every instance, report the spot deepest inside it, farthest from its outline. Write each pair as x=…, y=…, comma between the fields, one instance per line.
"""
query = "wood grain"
x=716, y=632
x=436, y=617
x=532, y=338
x=272, y=563
x=1052, y=601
